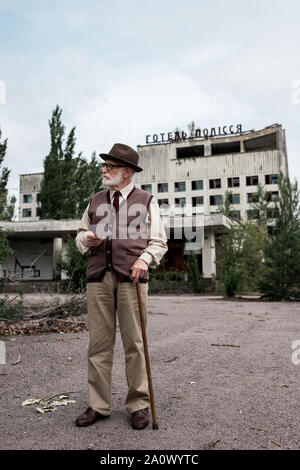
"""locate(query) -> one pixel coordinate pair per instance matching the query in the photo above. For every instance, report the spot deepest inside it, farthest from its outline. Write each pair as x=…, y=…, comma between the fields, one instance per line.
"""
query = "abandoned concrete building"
x=189, y=176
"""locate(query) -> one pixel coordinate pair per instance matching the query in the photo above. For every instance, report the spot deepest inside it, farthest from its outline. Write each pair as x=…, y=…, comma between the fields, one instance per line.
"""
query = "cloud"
x=148, y=100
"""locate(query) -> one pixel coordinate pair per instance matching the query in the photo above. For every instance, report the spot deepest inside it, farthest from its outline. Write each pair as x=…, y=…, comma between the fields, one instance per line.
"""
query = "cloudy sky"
x=123, y=69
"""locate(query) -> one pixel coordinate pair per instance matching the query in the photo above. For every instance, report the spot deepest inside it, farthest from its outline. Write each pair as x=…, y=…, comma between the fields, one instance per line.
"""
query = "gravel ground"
x=223, y=378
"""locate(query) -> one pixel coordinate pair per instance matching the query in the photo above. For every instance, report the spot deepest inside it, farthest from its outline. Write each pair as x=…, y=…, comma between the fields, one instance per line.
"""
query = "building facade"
x=30, y=186
x=197, y=172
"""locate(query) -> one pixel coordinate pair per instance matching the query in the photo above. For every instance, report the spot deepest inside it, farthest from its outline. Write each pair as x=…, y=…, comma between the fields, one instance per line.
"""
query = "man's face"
x=113, y=177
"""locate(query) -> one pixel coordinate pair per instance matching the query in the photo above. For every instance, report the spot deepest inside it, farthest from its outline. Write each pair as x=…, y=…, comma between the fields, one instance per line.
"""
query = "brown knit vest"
x=125, y=233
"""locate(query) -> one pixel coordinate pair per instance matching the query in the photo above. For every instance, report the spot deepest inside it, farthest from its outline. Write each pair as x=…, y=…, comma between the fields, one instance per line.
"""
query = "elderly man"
x=123, y=229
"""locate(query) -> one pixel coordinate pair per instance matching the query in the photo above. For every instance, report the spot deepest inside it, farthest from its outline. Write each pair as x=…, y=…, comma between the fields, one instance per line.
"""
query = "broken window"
x=190, y=152
x=252, y=197
x=272, y=196
x=197, y=201
x=234, y=198
x=197, y=184
x=215, y=183
x=163, y=202
x=26, y=213
x=271, y=179
x=225, y=147
x=216, y=200
x=251, y=180
x=233, y=182
x=27, y=198
x=180, y=201
x=162, y=187
x=180, y=186
x=147, y=187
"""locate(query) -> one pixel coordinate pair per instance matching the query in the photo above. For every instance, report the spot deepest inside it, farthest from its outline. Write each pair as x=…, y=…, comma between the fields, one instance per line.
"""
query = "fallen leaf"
x=49, y=404
x=43, y=410
x=62, y=402
x=231, y=345
x=31, y=401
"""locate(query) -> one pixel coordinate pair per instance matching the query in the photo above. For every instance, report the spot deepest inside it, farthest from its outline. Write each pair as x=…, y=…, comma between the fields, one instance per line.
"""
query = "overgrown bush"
x=196, y=280
x=12, y=309
x=74, y=264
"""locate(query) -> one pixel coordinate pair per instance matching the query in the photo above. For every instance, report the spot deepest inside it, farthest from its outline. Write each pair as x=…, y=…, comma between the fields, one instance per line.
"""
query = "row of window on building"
x=180, y=186
x=216, y=200
x=251, y=213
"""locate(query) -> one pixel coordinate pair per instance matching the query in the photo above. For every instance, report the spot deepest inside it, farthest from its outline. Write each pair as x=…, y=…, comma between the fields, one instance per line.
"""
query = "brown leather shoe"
x=140, y=419
x=89, y=417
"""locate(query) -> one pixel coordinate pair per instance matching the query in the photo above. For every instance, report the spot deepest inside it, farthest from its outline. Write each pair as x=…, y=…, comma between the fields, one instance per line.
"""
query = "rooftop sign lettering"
x=180, y=136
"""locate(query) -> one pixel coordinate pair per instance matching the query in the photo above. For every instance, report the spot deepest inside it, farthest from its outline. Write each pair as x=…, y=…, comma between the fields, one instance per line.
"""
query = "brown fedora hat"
x=123, y=154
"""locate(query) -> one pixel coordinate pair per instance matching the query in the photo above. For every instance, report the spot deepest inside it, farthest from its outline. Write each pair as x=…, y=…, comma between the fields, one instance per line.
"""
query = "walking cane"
x=154, y=421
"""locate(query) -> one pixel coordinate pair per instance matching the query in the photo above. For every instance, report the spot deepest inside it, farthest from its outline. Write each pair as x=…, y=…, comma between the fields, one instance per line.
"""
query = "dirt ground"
x=223, y=378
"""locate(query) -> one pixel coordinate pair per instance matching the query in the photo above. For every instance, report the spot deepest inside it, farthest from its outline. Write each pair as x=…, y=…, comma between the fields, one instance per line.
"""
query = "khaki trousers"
x=105, y=299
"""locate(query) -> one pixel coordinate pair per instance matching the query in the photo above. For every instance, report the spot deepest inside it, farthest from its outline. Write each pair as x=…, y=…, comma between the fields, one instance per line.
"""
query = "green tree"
x=262, y=206
x=240, y=253
x=5, y=249
x=196, y=280
x=69, y=181
x=88, y=181
x=51, y=194
x=7, y=207
x=7, y=204
x=230, y=262
x=68, y=210
x=281, y=275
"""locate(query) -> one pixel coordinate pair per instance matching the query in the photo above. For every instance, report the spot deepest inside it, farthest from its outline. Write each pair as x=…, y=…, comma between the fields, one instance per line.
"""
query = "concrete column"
x=63, y=275
x=209, y=255
x=57, y=252
x=207, y=148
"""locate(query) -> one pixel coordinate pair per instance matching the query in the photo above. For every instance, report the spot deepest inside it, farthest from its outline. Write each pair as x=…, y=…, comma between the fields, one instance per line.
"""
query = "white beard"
x=111, y=182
